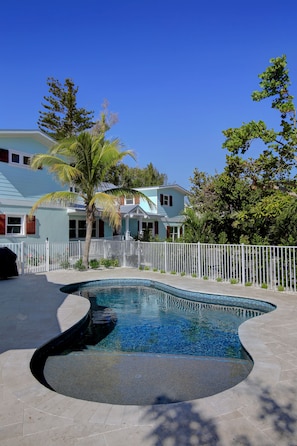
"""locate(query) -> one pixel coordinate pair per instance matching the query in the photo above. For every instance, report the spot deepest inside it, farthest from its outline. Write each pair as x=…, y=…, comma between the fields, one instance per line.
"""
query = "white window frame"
x=22, y=225
x=166, y=200
x=129, y=200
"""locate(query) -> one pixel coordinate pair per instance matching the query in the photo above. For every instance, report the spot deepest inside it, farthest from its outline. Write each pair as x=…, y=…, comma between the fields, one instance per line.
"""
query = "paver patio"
x=260, y=411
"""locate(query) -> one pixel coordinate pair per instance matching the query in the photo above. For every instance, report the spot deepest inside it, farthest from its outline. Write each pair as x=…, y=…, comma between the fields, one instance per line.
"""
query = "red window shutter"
x=137, y=200
x=168, y=232
x=161, y=199
x=2, y=224
x=101, y=228
x=122, y=201
x=170, y=200
x=156, y=228
x=4, y=155
x=30, y=225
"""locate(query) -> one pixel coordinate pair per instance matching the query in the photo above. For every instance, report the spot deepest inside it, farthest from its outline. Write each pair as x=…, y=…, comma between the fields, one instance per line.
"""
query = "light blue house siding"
x=20, y=187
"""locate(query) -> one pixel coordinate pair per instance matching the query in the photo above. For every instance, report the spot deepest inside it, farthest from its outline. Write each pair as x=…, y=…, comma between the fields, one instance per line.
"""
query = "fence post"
x=138, y=254
x=46, y=255
x=242, y=264
x=22, y=258
x=199, y=260
x=165, y=256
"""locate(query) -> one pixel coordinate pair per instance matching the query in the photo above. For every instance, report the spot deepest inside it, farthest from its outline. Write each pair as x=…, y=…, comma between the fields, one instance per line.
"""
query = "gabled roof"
x=35, y=134
x=132, y=210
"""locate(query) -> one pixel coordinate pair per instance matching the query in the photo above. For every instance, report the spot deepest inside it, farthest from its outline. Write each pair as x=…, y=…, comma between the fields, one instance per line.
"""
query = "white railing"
x=262, y=266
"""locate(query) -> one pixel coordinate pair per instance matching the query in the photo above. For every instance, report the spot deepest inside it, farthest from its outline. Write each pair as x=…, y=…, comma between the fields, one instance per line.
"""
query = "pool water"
x=145, y=342
x=149, y=320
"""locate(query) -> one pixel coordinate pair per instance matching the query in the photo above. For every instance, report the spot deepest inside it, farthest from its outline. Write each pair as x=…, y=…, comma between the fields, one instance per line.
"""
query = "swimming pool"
x=149, y=343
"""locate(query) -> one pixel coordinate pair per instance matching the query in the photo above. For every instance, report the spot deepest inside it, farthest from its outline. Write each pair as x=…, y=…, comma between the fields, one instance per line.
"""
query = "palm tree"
x=82, y=162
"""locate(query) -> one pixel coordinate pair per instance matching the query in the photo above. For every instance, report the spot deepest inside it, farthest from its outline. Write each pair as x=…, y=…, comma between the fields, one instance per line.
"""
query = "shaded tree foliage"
x=123, y=175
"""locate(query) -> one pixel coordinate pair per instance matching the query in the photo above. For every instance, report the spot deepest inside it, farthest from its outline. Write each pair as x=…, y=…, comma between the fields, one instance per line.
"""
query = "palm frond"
x=110, y=208
x=63, y=198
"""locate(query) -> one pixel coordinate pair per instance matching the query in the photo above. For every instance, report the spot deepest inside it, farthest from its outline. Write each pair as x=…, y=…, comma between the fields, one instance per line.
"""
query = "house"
x=20, y=188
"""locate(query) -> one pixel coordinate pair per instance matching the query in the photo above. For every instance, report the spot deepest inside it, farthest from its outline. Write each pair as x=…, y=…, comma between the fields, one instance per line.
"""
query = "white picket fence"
x=273, y=267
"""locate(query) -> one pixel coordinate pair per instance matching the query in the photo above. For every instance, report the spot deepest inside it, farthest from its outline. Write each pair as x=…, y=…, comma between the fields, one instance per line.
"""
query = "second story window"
x=166, y=200
x=129, y=200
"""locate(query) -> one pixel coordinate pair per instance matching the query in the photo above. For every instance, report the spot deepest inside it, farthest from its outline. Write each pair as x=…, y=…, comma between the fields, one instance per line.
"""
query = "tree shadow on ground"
x=179, y=424
x=28, y=316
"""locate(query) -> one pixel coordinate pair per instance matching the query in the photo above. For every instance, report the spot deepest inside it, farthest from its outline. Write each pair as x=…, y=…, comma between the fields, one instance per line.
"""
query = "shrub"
x=65, y=264
x=182, y=273
x=233, y=281
x=94, y=263
x=264, y=285
x=219, y=279
x=248, y=284
x=146, y=268
x=205, y=277
x=79, y=265
x=162, y=271
x=194, y=275
x=173, y=272
x=155, y=269
x=281, y=288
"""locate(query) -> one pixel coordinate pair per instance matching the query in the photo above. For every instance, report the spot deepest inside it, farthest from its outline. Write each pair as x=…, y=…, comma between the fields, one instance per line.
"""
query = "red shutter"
x=101, y=228
x=168, y=232
x=156, y=228
x=122, y=201
x=137, y=200
x=170, y=200
x=30, y=225
x=2, y=224
x=161, y=199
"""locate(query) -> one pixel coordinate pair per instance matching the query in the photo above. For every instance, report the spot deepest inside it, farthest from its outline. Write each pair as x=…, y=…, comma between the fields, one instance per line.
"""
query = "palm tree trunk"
x=89, y=228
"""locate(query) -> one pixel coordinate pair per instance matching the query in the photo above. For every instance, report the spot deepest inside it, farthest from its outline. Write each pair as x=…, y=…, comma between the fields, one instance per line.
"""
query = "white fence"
x=273, y=267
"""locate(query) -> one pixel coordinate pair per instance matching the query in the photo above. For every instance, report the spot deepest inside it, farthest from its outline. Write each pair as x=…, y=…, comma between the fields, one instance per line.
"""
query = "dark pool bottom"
x=142, y=379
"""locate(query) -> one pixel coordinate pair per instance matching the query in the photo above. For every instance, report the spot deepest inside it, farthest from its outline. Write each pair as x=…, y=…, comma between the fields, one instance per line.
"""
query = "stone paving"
x=260, y=411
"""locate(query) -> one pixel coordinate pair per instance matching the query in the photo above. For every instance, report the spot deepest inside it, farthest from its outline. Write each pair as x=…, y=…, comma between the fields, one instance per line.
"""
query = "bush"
x=94, y=263
x=219, y=279
x=182, y=273
x=281, y=288
x=233, y=281
x=79, y=265
x=194, y=275
x=264, y=285
x=205, y=277
x=65, y=264
x=248, y=284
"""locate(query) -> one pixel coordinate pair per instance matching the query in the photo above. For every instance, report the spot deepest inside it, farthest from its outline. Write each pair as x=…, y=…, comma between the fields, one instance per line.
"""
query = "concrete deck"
x=260, y=411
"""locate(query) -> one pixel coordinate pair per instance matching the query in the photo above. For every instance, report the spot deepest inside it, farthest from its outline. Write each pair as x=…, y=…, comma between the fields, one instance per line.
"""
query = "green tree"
x=273, y=167
x=135, y=176
x=62, y=118
x=82, y=162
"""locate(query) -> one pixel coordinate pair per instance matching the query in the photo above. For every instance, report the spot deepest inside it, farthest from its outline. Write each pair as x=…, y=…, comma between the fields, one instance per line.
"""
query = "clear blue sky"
x=177, y=72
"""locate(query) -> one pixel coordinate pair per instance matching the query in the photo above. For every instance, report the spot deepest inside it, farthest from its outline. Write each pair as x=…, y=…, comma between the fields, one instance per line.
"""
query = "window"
x=15, y=158
x=166, y=200
x=26, y=160
x=129, y=200
x=173, y=232
x=14, y=225
x=77, y=229
x=148, y=226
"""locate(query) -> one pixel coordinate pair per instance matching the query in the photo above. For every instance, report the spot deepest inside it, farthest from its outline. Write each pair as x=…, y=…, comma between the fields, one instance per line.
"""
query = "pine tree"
x=62, y=118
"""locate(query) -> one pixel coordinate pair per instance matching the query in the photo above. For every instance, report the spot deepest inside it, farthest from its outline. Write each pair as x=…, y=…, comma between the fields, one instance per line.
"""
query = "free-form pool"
x=149, y=343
